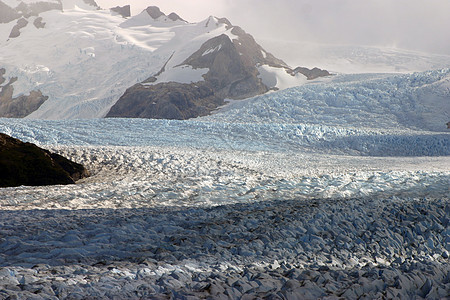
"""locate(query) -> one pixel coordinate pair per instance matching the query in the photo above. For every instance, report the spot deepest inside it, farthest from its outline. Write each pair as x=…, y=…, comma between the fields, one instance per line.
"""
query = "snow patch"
x=278, y=78
x=217, y=48
x=181, y=74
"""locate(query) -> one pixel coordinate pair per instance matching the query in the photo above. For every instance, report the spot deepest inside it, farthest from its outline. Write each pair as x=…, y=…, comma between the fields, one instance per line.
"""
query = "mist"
x=408, y=24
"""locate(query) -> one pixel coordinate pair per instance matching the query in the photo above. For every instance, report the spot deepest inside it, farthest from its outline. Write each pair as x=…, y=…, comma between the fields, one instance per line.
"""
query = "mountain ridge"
x=83, y=73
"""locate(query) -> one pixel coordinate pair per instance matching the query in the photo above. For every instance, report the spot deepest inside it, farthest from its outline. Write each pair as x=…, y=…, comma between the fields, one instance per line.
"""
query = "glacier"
x=339, y=187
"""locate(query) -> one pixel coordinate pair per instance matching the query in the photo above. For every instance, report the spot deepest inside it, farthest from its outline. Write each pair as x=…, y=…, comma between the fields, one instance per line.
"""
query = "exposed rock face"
x=38, y=23
x=15, y=32
x=154, y=12
x=124, y=11
x=232, y=74
x=169, y=100
x=20, y=106
x=26, y=164
x=311, y=73
x=174, y=17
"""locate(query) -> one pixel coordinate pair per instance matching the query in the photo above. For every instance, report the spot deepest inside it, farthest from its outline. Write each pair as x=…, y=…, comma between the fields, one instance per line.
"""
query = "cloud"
x=410, y=24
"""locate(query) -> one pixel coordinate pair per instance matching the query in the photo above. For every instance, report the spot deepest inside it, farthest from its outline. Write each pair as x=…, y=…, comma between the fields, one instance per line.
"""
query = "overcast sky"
x=422, y=25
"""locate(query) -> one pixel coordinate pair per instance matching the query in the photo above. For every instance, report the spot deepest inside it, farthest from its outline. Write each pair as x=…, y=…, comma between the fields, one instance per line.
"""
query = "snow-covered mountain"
x=81, y=59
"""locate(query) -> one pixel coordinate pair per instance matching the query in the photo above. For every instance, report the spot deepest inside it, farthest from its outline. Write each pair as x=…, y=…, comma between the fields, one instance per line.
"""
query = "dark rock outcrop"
x=311, y=73
x=174, y=17
x=154, y=12
x=27, y=164
x=38, y=23
x=124, y=11
x=15, y=32
x=21, y=106
x=170, y=100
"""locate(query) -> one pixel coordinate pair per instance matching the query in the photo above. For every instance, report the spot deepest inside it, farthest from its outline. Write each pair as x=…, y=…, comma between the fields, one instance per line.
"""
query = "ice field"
x=338, y=188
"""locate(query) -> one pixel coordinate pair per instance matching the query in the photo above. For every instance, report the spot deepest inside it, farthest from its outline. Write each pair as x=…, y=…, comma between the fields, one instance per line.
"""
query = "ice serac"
x=20, y=106
x=231, y=61
x=27, y=164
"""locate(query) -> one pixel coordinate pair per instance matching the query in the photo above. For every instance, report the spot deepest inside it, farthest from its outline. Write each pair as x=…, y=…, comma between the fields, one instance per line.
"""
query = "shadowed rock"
x=38, y=23
x=27, y=164
x=15, y=32
x=154, y=12
x=124, y=11
x=170, y=100
x=311, y=73
x=174, y=17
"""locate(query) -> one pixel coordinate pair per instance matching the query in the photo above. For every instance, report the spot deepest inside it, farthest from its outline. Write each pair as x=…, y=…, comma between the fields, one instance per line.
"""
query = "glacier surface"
x=336, y=188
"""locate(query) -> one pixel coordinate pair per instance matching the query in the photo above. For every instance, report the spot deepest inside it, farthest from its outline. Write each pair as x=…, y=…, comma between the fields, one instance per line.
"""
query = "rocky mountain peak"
x=224, y=21
x=174, y=17
x=124, y=11
x=154, y=12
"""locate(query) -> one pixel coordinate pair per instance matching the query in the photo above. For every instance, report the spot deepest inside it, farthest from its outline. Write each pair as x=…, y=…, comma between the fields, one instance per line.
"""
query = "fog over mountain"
x=413, y=24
